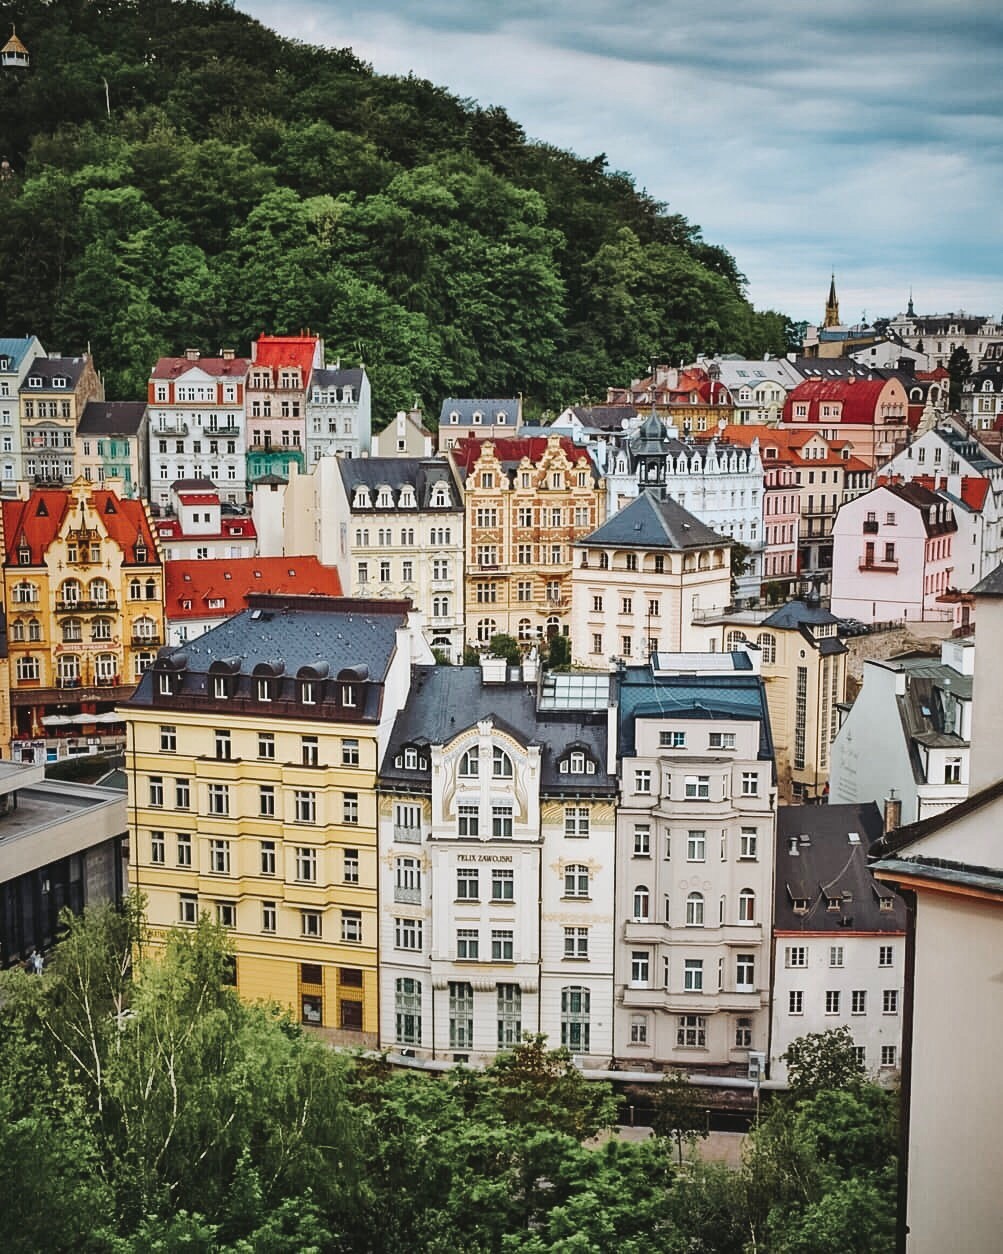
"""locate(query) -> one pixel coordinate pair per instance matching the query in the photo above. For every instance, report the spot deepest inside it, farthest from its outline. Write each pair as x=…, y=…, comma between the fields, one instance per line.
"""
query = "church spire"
x=910, y=312
x=832, y=306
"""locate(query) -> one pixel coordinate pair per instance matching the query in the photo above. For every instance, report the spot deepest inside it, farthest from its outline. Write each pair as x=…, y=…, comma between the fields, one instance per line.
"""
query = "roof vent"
x=853, y=838
x=792, y=846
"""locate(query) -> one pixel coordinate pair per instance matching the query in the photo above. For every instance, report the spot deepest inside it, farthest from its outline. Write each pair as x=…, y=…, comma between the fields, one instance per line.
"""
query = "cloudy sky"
x=865, y=138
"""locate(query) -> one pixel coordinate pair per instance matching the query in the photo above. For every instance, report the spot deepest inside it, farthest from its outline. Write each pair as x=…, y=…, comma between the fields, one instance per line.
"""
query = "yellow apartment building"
x=51, y=401
x=252, y=758
x=83, y=595
x=527, y=501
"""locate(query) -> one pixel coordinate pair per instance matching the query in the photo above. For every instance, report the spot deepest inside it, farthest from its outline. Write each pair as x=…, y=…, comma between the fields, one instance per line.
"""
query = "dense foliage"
x=243, y=182
x=144, y=1107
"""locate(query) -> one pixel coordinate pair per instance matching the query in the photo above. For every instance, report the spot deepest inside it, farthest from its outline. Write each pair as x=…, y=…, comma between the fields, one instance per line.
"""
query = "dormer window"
x=477, y=418
x=454, y=417
x=385, y=499
x=407, y=499
x=34, y=381
x=59, y=381
x=440, y=499
x=24, y=556
x=501, y=418
x=348, y=695
x=362, y=500
x=264, y=690
x=308, y=694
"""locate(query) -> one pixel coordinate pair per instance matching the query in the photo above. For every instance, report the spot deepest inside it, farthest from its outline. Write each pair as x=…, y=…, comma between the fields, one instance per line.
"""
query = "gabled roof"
x=830, y=866
x=487, y=407
x=991, y=585
x=219, y=367
x=240, y=528
x=797, y=614
x=111, y=418
x=859, y=399
x=511, y=450
x=15, y=349
x=651, y=521
x=36, y=522
x=277, y=351
x=230, y=580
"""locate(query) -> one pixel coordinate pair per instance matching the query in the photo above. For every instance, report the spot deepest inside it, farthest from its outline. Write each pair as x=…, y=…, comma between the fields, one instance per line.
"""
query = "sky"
x=860, y=138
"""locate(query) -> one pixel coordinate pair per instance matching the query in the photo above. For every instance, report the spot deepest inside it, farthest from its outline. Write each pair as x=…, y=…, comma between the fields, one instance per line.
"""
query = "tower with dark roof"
x=831, y=318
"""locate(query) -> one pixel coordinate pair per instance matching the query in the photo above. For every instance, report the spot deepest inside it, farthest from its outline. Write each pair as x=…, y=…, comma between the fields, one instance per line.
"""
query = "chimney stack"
x=893, y=812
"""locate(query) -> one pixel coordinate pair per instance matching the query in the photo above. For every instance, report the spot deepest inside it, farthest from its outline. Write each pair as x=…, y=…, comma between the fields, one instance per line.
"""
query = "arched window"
x=25, y=593
x=486, y=628
x=106, y=668
x=768, y=646
x=694, y=910
x=101, y=629
x=440, y=607
x=98, y=590
x=69, y=592
x=501, y=764
x=72, y=631
x=576, y=881
x=19, y=630
x=746, y=906
x=69, y=670
x=642, y=902
x=34, y=629
x=525, y=629
x=604, y=561
x=135, y=590
x=470, y=763
x=733, y=640
x=144, y=628
x=553, y=626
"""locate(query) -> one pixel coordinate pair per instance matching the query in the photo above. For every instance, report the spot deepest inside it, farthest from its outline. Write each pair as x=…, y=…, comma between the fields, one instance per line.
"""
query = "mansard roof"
x=652, y=521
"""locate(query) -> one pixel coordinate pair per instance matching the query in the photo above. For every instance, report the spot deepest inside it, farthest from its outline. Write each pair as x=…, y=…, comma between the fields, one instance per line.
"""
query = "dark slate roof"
x=652, y=521
x=991, y=585
x=488, y=407
x=966, y=446
x=729, y=695
x=798, y=614
x=422, y=473
x=651, y=438
x=336, y=377
x=48, y=368
x=111, y=418
x=828, y=865
x=293, y=633
x=921, y=498
x=605, y=417
x=447, y=700
x=195, y=485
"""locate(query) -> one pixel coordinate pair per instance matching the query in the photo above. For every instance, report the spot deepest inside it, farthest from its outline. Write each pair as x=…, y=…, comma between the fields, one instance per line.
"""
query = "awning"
x=58, y=720
x=109, y=716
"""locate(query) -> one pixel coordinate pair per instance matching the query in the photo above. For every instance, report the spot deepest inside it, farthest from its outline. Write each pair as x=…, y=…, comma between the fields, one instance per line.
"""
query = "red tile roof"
x=286, y=350
x=230, y=528
x=233, y=579
x=36, y=522
x=225, y=367
x=859, y=398
x=512, y=449
x=974, y=489
x=199, y=498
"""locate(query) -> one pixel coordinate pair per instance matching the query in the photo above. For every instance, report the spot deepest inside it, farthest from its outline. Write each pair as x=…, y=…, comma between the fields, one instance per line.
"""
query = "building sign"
x=483, y=857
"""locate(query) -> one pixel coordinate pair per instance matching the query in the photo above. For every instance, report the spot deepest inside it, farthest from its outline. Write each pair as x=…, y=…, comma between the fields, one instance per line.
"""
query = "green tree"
x=559, y=652
x=740, y=560
x=680, y=1112
x=507, y=647
x=822, y=1060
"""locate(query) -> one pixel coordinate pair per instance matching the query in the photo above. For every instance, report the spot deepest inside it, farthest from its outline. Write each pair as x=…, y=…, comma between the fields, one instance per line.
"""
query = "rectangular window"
x=501, y=945
x=467, y=884
x=642, y=782
x=219, y=799
x=407, y=933
x=158, y=847
x=832, y=1002
x=468, y=820
x=640, y=965
x=351, y=926
x=576, y=942
x=182, y=794
x=509, y=1015
x=266, y=800
x=305, y=805
x=889, y=1056
x=266, y=745
x=721, y=740
x=310, y=750
x=467, y=944
x=642, y=840
x=350, y=866
x=184, y=849
x=156, y=791
x=745, y=972
x=168, y=739
x=350, y=808
x=349, y=752
x=310, y=923
x=796, y=956
x=835, y=955
x=226, y=914
x=306, y=864
x=691, y=1032
x=188, y=908
x=502, y=885
x=223, y=746
x=890, y=1002
x=267, y=848
x=885, y=955
x=461, y=1016
x=697, y=787
x=576, y=821
x=795, y=1002
x=219, y=857
x=693, y=975
x=750, y=783
x=749, y=845
x=269, y=916
x=407, y=1011
x=501, y=822
x=858, y=1001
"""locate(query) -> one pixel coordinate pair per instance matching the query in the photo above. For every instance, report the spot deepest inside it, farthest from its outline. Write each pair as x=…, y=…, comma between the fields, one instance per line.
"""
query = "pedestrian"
x=37, y=962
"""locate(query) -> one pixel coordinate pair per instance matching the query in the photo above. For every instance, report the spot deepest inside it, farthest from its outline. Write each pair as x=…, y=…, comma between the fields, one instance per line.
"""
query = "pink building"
x=781, y=498
x=870, y=413
x=892, y=555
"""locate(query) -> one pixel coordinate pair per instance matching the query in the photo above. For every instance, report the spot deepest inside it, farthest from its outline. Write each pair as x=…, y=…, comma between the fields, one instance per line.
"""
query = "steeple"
x=831, y=306
x=910, y=312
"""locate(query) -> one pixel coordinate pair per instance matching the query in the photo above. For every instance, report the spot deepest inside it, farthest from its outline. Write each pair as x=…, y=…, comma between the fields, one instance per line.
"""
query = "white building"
x=695, y=832
x=16, y=356
x=758, y=389
x=982, y=393
x=496, y=850
x=196, y=424
x=938, y=335
x=908, y=733
x=339, y=418
x=838, y=936
x=639, y=579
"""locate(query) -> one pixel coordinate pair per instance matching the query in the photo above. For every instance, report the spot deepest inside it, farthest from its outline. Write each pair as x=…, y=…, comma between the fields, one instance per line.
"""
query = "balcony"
x=870, y=527
x=70, y=681
x=48, y=481
x=172, y=426
x=86, y=607
x=107, y=681
x=221, y=430
x=407, y=835
x=146, y=642
x=888, y=566
x=407, y=896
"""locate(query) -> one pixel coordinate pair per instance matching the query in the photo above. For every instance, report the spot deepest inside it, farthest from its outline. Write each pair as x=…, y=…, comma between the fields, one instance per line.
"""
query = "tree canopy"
x=244, y=182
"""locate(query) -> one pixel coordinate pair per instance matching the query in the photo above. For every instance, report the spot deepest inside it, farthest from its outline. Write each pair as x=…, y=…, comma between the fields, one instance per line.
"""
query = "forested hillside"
x=245, y=182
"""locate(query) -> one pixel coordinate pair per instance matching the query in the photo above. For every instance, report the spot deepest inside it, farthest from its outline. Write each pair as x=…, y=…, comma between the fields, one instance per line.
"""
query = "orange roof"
x=974, y=489
x=36, y=522
x=231, y=580
x=286, y=350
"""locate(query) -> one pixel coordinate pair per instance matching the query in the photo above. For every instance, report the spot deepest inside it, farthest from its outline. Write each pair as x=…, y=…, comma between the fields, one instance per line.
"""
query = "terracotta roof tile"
x=233, y=579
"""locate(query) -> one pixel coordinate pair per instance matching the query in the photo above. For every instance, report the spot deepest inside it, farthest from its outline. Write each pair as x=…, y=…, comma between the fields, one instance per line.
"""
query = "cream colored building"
x=252, y=758
x=497, y=865
x=639, y=580
x=405, y=436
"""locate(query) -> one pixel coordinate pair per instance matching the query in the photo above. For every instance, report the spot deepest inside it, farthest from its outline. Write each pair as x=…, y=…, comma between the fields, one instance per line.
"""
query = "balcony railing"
x=870, y=527
x=140, y=641
x=407, y=896
x=68, y=681
x=85, y=607
x=172, y=426
x=407, y=835
x=888, y=565
x=107, y=681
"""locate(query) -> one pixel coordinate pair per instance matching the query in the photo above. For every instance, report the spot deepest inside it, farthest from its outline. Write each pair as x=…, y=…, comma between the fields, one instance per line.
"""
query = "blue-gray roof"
x=337, y=377
x=447, y=700
x=15, y=350
x=716, y=696
x=797, y=614
x=488, y=407
x=653, y=521
x=421, y=473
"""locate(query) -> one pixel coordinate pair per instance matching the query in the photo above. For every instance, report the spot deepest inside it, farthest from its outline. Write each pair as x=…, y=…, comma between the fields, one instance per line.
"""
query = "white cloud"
x=852, y=137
